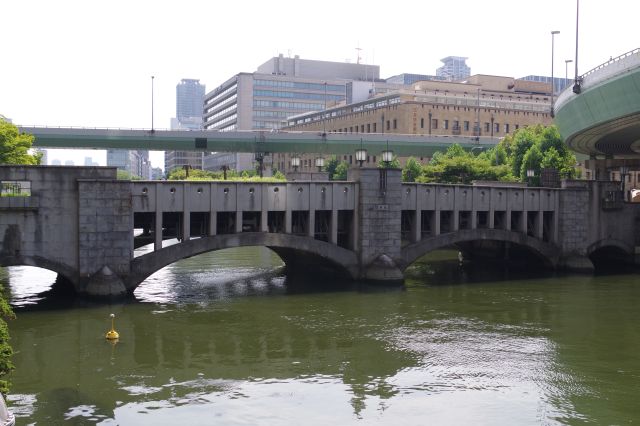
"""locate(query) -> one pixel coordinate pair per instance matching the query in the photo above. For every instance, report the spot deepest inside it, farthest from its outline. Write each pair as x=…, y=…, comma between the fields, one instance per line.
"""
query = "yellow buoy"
x=112, y=334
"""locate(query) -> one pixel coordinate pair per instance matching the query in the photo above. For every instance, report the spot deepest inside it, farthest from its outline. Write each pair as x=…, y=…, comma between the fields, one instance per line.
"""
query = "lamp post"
x=553, y=86
x=361, y=154
x=530, y=174
x=295, y=163
x=152, y=130
x=387, y=155
x=576, y=83
x=566, y=71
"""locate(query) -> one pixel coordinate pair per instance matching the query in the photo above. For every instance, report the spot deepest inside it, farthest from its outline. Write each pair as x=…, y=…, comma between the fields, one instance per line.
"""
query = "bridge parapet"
x=433, y=209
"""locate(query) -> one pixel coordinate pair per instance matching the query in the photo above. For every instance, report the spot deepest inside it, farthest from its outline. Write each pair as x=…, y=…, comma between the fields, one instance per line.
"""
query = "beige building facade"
x=482, y=105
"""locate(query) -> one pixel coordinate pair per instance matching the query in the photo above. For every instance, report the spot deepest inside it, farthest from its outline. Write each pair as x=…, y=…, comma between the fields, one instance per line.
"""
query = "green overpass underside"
x=604, y=118
x=250, y=141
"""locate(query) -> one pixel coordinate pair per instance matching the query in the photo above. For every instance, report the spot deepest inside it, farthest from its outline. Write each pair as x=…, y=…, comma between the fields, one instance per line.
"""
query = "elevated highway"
x=248, y=141
x=600, y=115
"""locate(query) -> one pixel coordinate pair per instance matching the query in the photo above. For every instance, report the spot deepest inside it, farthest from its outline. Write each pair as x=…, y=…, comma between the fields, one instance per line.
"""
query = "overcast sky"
x=87, y=63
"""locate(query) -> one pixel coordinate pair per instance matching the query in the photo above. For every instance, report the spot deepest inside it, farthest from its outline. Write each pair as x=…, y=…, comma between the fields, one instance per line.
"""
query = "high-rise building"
x=189, y=96
x=454, y=68
x=559, y=84
x=280, y=88
x=136, y=163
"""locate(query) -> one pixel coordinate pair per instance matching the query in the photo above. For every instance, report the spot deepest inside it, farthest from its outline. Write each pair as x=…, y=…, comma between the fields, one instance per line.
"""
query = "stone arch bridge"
x=84, y=224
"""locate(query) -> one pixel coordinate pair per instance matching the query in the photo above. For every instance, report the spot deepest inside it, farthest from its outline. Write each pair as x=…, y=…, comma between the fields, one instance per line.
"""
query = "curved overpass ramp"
x=604, y=117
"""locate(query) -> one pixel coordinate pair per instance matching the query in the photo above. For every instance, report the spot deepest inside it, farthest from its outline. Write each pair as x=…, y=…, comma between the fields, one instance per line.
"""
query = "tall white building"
x=280, y=88
x=189, y=95
x=454, y=68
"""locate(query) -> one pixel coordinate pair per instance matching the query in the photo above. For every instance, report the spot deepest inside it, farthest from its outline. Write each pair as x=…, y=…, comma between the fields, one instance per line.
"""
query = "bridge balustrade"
x=322, y=210
x=432, y=209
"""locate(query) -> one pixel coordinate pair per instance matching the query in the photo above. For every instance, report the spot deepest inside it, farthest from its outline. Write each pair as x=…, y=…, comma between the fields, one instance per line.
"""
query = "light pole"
x=553, y=86
x=566, y=71
x=576, y=83
x=152, y=77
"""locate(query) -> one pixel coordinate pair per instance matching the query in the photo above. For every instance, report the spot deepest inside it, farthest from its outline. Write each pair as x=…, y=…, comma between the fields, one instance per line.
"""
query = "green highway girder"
x=585, y=118
x=251, y=141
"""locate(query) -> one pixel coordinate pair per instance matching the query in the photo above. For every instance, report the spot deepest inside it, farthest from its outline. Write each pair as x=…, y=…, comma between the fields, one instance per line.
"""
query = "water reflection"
x=229, y=339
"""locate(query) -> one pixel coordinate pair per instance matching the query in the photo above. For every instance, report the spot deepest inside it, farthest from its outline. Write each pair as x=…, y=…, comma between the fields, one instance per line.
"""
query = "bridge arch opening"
x=486, y=247
x=299, y=255
x=610, y=257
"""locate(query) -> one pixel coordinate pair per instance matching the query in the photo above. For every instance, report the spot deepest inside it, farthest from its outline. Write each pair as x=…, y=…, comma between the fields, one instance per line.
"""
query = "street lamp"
x=576, y=83
x=566, y=71
x=152, y=130
x=553, y=86
x=530, y=174
x=361, y=154
x=387, y=155
x=295, y=163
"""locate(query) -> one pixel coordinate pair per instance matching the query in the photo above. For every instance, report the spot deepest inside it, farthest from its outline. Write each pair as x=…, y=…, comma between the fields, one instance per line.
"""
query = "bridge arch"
x=287, y=244
x=547, y=252
x=610, y=252
x=61, y=269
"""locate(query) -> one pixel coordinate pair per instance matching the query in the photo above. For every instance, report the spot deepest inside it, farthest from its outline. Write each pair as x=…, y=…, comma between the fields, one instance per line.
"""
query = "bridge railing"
x=605, y=71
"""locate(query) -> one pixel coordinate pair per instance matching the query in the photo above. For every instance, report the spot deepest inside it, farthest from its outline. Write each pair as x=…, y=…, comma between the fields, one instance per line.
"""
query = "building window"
x=375, y=127
x=388, y=124
x=446, y=124
x=466, y=126
x=350, y=129
x=517, y=126
x=496, y=127
x=456, y=125
x=487, y=127
x=395, y=123
x=362, y=128
x=422, y=123
x=368, y=128
x=506, y=128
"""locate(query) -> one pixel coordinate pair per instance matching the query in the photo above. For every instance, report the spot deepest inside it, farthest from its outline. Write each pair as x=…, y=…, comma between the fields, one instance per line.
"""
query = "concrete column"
x=474, y=219
x=186, y=213
x=456, y=219
x=333, y=238
x=507, y=214
x=213, y=213
x=264, y=209
x=238, y=221
x=312, y=210
x=416, y=231
x=287, y=212
x=436, y=222
x=540, y=226
x=157, y=244
x=355, y=243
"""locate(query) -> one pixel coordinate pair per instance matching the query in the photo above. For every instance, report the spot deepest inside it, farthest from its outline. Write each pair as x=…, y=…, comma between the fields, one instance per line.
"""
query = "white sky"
x=88, y=63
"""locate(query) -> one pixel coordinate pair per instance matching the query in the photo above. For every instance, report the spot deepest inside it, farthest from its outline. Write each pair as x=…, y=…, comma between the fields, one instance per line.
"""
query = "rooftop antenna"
x=358, y=49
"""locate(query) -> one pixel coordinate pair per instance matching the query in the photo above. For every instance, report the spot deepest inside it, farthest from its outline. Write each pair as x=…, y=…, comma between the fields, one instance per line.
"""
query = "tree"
x=341, y=171
x=6, y=366
x=15, y=146
x=550, y=151
x=412, y=169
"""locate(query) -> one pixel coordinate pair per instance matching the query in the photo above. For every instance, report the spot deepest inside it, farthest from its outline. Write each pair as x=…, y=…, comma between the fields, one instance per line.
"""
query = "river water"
x=227, y=339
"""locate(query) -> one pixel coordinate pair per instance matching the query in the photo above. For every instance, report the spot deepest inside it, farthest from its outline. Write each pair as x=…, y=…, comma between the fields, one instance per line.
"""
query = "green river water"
x=227, y=339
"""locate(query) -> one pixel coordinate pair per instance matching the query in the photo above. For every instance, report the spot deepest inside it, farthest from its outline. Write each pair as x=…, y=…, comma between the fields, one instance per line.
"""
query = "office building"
x=483, y=105
x=454, y=68
x=189, y=95
x=280, y=88
x=136, y=163
x=559, y=84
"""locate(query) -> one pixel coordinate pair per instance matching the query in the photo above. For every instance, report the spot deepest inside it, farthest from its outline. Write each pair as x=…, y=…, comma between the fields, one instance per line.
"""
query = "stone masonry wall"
x=105, y=218
x=573, y=219
x=379, y=213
